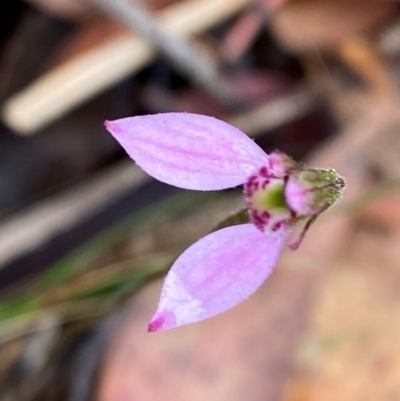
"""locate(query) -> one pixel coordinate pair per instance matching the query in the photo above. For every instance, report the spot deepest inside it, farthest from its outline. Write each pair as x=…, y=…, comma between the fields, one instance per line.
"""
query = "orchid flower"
x=225, y=267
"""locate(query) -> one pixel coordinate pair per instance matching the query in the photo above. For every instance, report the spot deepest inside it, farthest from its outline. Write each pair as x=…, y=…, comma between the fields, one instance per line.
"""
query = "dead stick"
x=37, y=225
x=184, y=54
x=275, y=113
x=83, y=77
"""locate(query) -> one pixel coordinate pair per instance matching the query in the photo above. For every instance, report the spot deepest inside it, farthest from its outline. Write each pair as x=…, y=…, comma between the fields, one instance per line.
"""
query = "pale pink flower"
x=202, y=153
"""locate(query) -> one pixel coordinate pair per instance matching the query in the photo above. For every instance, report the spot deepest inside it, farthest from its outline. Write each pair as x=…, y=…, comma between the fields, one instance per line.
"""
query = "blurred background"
x=86, y=236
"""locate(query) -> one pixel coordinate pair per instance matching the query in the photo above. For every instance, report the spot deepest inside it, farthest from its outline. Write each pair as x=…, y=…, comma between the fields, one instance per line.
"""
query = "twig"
x=81, y=78
x=275, y=113
x=184, y=54
x=37, y=225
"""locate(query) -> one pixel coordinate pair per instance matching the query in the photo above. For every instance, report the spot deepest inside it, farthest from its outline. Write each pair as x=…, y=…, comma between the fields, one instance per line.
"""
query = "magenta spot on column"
x=264, y=172
x=277, y=225
x=265, y=183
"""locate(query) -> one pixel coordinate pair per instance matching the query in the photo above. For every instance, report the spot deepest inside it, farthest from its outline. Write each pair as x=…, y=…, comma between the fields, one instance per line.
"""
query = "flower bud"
x=310, y=191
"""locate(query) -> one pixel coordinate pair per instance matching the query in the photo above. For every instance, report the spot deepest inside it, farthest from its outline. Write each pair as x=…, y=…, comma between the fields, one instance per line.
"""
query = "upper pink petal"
x=216, y=273
x=189, y=151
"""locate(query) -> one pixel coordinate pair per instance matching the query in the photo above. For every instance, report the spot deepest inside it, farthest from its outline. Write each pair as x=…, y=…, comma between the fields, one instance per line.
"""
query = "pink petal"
x=189, y=150
x=216, y=273
x=300, y=198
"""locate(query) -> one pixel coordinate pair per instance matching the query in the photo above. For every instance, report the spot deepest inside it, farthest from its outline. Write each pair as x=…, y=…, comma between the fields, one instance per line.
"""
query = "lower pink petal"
x=189, y=150
x=216, y=273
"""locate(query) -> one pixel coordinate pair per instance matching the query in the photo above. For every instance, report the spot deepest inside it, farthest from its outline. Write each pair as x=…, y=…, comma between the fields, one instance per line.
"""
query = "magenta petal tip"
x=162, y=320
x=156, y=324
x=111, y=126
